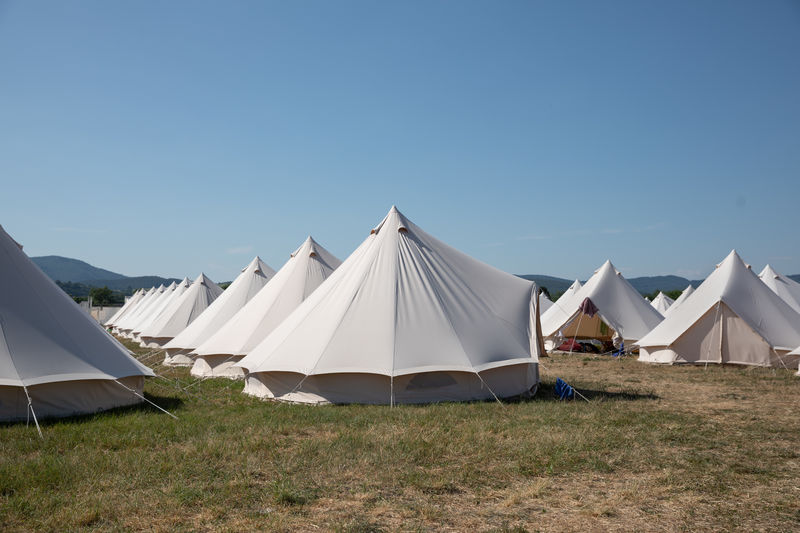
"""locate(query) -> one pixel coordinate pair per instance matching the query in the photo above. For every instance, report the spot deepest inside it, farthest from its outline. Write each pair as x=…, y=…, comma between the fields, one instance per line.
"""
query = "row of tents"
x=405, y=318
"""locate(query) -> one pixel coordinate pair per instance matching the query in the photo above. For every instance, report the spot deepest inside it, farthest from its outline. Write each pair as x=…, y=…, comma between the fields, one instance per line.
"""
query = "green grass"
x=676, y=448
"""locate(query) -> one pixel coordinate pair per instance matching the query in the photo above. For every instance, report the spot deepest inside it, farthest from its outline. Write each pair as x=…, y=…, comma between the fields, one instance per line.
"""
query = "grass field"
x=656, y=448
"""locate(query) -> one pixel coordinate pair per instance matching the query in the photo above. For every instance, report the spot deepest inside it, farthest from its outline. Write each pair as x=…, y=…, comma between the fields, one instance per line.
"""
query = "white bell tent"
x=606, y=308
x=247, y=284
x=682, y=298
x=733, y=317
x=787, y=288
x=405, y=319
x=180, y=312
x=305, y=270
x=662, y=303
x=55, y=360
x=131, y=302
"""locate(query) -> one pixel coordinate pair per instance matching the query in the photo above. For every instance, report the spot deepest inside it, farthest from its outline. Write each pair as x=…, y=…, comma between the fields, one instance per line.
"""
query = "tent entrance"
x=582, y=326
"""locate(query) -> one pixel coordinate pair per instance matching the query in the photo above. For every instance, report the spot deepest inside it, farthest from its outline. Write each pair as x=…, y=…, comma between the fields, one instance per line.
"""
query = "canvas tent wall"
x=131, y=302
x=161, y=306
x=181, y=312
x=306, y=269
x=662, y=303
x=787, y=288
x=575, y=287
x=622, y=313
x=128, y=324
x=158, y=306
x=117, y=329
x=544, y=302
x=682, y=298
x=247, y=284
x=405, y=319
x=732, y=317
x=54, y=353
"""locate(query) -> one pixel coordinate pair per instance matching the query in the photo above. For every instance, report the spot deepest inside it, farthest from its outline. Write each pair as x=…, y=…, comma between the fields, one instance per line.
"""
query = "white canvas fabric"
x=575, y=287
x=46, y=339
x=787, y=288
x=132, y=301
x=246, y=285
x=732, y=317
x=682, y=298
x=406, y=318
x=158, y=306
x=545, y=303
x=662, y=303
x=133, y=309
x=181, y=312
x=172, y=294
x=623, y=314
x=128, y=323
x=306, y=269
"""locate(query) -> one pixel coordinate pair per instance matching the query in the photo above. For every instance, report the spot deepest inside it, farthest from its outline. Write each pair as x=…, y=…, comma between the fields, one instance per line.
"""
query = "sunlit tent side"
x=160, y=307
x=606, y=308
x=575, y=287
x=682, y=298
x=544, y=302
x=405, y=319
x=787, y=288
x=129, y=303
x=166, y=297
x=149, y=293
x=127, y=325
x=247, y=284
x=662, y=303
x=54, y=358
x=306, y=269
x=732, y=317
x=181, y=312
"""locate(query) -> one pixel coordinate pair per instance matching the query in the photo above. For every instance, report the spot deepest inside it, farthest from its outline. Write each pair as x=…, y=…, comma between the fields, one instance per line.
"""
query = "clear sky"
x=167, y=138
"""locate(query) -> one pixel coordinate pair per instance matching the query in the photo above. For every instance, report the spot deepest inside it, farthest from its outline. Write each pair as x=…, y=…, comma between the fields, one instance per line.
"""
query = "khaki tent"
x=731, y=318
x=606, y=308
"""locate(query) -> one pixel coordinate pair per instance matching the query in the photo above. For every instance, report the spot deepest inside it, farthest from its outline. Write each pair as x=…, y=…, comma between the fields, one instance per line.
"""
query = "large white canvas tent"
x=180, y=312
x=246, y=285
x=731, y=318
x=126, y=325
x=662, y=303
x=787, y=288
x=306, y=269
x=682, y=298
x=119, y=321
x=54, y=358
x=606, y=308
x=405, y=319
x=575, y=287
x=158, y=305
x=131, y=302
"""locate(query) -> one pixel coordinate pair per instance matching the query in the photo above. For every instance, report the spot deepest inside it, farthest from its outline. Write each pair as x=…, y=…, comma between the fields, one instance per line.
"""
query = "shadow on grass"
x=168, y=403
x=546, y=393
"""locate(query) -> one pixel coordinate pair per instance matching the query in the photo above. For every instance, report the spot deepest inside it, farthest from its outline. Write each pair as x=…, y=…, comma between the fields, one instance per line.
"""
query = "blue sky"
x=541, y=137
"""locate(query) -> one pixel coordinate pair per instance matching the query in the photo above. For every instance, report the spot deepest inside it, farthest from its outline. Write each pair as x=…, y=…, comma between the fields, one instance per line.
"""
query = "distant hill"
x=74, y=270
x=128, y=285
x=77, y=277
